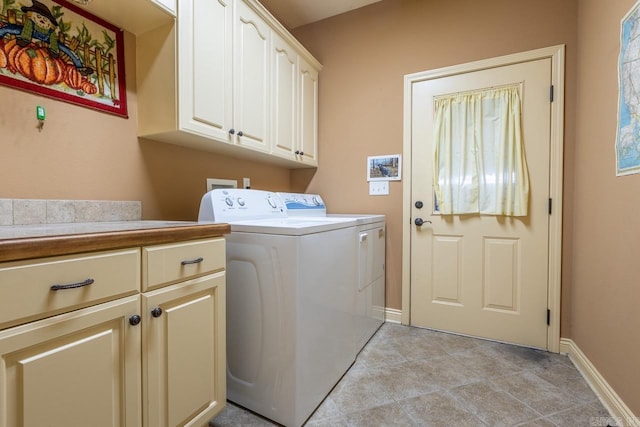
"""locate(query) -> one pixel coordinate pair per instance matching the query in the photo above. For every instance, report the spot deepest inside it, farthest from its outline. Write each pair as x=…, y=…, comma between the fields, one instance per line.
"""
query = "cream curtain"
x=479, y=159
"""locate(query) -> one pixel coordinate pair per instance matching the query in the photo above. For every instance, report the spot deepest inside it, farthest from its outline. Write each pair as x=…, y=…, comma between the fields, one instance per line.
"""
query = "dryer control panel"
x=238, y=204
x=300, y=204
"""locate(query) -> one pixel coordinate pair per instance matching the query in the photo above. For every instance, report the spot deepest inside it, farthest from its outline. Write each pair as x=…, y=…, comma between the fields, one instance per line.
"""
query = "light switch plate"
x=378, y=188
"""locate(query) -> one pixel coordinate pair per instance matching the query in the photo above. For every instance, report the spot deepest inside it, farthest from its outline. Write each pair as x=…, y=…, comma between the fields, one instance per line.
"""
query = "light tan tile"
x=439, y=409
x=494, y=407
x=232, y=416
x=60, y=211
x=27, y=211
x=389, y=415
x=543, y=397
x=360, y=389
x=6, y=212
x=584, y=415
x=568, y=379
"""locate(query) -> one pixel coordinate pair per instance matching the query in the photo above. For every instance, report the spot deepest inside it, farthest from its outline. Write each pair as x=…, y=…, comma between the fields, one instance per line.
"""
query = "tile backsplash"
x=38, y=211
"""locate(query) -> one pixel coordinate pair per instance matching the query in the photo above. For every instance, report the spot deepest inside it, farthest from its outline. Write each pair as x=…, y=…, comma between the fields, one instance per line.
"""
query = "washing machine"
x=292, y=302
x=371, y=247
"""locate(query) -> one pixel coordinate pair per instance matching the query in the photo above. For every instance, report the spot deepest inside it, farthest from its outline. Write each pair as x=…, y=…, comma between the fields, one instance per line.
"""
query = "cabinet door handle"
x=156, y=312
x=72, y=285
x=192, y=261
x=135, y=320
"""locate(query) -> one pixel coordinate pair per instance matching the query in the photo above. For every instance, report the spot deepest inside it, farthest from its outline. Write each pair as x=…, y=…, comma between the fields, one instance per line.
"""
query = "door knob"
x=420, y=221
x=419, y=204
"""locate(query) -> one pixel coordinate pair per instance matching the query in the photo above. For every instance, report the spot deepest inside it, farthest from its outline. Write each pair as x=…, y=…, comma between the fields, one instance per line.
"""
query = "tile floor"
x=408, y=376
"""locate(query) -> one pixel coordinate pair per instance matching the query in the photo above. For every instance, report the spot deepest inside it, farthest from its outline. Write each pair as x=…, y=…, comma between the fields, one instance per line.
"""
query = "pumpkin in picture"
x=36, y=64
x=3, y=58
x=11, y=48
x=73, y=78
x=89, y=88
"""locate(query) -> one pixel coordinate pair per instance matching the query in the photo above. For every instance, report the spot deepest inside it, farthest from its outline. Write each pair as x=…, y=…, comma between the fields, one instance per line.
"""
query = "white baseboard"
x=607, y=395
x=392, y=315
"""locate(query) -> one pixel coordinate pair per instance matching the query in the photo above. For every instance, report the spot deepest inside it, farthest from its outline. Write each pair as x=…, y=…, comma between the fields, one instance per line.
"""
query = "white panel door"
x=483, y=275
x=284, y=117
x=308, y=131
x=205, y=67
x=251, y=79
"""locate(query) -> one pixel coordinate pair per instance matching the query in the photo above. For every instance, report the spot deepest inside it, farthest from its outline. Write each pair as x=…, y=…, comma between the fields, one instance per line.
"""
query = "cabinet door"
x=184, y=356
x=251, y=83
x=284, y=61
x=75, y=369
x=308, y=131
x=205, y=67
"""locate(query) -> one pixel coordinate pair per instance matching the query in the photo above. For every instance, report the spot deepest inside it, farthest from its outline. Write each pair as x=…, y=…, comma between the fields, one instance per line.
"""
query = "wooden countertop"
x=26, y=242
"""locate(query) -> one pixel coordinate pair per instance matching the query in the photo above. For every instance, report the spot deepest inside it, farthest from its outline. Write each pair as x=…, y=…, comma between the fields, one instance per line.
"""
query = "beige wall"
x=85, y=154
x=366, y=53
x=605, y=317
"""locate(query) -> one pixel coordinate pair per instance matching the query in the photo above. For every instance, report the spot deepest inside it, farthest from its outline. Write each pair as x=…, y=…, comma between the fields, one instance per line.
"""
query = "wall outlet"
x=378, y=188
x=246, y=182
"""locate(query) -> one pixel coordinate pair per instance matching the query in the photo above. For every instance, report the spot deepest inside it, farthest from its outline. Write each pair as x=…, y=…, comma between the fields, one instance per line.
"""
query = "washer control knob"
x=241, y=201
x=271, y=202
x=228, y=201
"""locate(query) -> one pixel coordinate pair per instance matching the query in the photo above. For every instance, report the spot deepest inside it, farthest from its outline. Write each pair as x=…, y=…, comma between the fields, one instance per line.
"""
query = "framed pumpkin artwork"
x=56, y=49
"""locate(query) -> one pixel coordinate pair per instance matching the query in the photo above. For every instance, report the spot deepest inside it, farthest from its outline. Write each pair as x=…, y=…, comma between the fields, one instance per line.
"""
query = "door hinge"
x=550, y=205
x=548, y=317
x=551, y=94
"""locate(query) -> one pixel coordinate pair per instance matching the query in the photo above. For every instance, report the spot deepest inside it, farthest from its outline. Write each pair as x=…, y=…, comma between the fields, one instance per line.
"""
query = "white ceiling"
x=294, y=13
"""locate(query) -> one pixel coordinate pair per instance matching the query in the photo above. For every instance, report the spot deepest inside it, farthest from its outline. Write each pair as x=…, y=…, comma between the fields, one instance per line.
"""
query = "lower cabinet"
x=183, y=346
x=76, y=369
x=99, y=351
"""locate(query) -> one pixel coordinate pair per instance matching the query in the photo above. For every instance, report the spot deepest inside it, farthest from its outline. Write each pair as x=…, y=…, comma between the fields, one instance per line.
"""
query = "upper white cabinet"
x=294, y=105
x=205, y=67
x=308, y=110
x=284, y=61
x=251, y=78
x=218, y=80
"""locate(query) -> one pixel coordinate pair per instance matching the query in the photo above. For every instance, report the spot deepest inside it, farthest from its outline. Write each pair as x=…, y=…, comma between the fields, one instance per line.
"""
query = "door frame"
x=557, y=55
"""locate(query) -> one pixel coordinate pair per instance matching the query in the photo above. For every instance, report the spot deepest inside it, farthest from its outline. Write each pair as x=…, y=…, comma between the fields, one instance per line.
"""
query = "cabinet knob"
x=297, y=151
x=156, y=312
x=302, y=153
x=232, y=131
x=135, y=320
x=240, y=133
